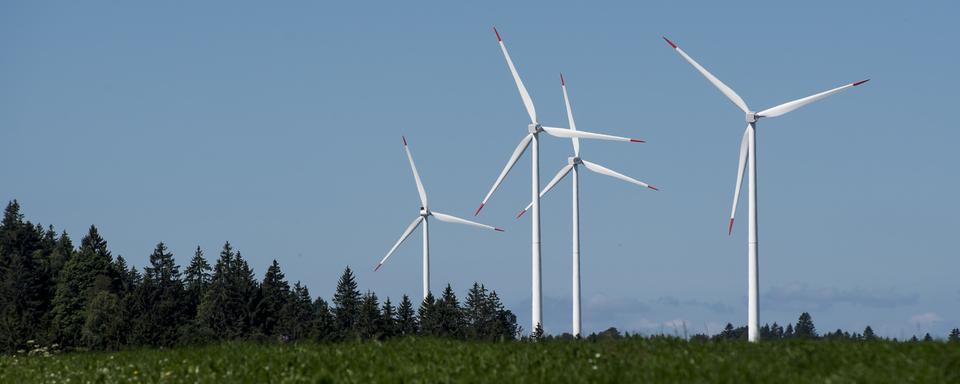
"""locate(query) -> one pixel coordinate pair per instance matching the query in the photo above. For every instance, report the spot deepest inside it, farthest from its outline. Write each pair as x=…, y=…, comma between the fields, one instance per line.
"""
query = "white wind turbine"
x=423, y=217
x=573, y=164
x=748, y=151
x=533, y=131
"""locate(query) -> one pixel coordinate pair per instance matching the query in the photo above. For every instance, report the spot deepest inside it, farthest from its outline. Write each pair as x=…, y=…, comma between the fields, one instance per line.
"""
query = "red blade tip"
x=522, y=211
x=670, y=42
x=562, y=83
x=478, y=209
x=637, y=141
x=730, y=228
x=498, y=34
x=404, y=140
x=378, y=267
x=860, y=82
x=498, y=229
x=653, y=188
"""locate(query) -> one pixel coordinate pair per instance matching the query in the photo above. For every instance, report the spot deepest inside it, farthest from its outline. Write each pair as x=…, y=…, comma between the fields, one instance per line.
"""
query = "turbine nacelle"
x=424, y=212
x=752, y=117
x=574, y=160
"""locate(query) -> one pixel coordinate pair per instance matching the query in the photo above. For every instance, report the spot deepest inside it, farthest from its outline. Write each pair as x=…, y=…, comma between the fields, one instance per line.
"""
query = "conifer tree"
x=788, y=334
x=85, y=275
x=388, y=319
x=24, y=292
x=805, y=328
x=297, y=315
x=368, y=324
x=346, y=302
x=324, y=326
x=274, y=296
x=868, y=334
x=161, y=301
x=954, y=336
x=505, y=327
x=478, y=316
x=428, y=316
x=196, y=281
x=448, y=313
x=406, y=318
x=222, y=313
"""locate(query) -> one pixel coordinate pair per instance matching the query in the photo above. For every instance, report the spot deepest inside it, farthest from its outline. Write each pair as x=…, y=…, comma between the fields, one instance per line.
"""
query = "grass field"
x=424, y=360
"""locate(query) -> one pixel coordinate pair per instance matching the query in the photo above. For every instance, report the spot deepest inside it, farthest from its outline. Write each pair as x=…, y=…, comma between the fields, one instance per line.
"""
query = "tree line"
x=52, y=293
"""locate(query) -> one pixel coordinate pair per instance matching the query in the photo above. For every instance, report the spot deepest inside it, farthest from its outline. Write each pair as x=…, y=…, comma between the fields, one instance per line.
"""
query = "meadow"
x=425, y=360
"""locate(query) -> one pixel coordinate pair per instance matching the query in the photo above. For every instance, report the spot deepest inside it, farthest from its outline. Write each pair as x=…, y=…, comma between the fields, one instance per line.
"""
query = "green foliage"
x=632, y=360
x=407, y=323
x=88, y=273
x=274, y=296
x=346, y=302
x=805, y=328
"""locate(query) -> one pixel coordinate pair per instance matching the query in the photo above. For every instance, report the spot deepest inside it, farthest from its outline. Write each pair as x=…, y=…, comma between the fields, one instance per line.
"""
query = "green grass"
x=424, y=360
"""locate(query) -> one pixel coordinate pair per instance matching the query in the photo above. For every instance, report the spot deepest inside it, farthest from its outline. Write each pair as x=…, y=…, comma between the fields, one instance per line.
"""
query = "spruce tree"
x=219, y=311
x=449, y=314
x=297, y=315
x=406, y=318
x=388, y=319
x=477, y=315
x=368, y=324
x=346, y=304
x=428, y=317
x=274, y=296
x=24, y=282
x=505, y=327
x=196, y=281
x=805, y=328
x=162, y=298
x=324, y=326
x=954, y=336
x=868, y=334
x=788, y=334
x=87, y=273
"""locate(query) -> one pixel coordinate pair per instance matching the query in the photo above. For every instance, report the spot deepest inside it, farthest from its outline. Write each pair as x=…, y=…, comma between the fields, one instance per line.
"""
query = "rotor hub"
x=574, y=160
x=424, y=212
x=534, y=128
x=752, y=117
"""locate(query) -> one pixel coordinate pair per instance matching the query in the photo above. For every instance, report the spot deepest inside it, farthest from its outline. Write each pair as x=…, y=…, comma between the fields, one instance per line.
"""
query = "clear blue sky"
x=278, y=128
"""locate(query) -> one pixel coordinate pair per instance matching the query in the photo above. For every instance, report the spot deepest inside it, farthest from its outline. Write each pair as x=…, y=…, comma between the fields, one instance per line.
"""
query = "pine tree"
x=87, y=273
x=868, y=334
x=954, y=336
x=368, y=324
x=24, y=282
x=428, y=317
x=505, y=326
x=161, y=301
x=324, y=326
x=297, y=315
x=788, y=334
x=196, y=281
x=805, y=328
x=406, y=318
x=388, y=319
x=225, y=310
x=477, y=314
x=274, y=296
x=346, y=302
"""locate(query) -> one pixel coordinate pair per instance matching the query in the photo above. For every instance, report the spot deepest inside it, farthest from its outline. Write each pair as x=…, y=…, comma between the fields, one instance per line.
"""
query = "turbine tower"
x=532, y=139
x=423, y=217
x=572, y=166
x=748, y=155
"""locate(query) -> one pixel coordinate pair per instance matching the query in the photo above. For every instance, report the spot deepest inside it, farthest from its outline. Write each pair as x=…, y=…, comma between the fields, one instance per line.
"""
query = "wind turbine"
x=748, y=154
x=423, y=217
x=532, y=139
x=573, y=164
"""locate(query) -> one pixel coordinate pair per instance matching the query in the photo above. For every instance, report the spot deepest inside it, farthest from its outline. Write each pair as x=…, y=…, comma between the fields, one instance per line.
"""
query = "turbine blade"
x=456, y=220
x=513, y=160
x=416, y=175
x=556, y=179
x=416, y=222
x=567, y=133
x=527, y=101
x=740, y=169
x=573, y=126
x=727, y=91
x=609, y=172
x=790, y=106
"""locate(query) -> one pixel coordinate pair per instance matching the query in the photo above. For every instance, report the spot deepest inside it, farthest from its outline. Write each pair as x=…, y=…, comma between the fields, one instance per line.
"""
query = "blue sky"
x=278, y=128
